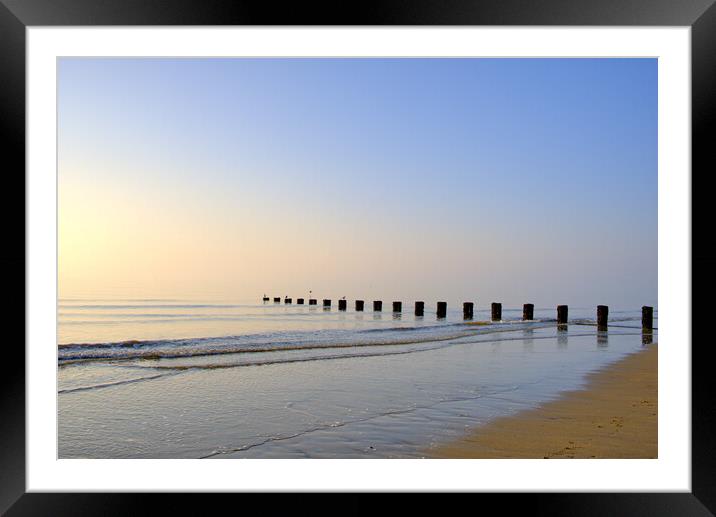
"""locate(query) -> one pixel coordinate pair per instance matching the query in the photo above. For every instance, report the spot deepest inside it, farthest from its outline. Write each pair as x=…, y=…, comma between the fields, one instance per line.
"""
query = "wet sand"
x=615, y=416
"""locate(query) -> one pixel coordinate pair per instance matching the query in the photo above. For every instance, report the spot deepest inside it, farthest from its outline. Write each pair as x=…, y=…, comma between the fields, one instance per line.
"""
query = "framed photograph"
x=424, y=249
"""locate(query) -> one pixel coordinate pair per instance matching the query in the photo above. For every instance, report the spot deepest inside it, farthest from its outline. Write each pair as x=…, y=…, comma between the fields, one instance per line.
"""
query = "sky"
x=513, y=180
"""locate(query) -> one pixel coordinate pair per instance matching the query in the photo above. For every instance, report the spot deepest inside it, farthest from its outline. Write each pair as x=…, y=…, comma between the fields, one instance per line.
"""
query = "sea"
x=171, y=378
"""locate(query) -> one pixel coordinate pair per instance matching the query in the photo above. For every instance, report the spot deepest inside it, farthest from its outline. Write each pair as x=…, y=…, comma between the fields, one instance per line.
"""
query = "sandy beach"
x=615, y=416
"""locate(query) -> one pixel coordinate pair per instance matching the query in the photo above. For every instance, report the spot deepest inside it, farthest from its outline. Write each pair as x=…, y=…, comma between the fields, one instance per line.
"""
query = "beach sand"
x=615, y=416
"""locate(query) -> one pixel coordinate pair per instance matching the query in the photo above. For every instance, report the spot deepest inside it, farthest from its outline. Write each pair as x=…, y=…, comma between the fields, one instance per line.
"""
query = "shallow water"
x=290, y=381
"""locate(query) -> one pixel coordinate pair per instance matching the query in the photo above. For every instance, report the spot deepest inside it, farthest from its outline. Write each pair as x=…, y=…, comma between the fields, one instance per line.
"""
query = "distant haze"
x=513, y=180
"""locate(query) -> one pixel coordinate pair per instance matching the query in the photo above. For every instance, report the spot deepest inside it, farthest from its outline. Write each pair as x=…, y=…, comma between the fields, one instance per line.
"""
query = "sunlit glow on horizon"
x=513, y=180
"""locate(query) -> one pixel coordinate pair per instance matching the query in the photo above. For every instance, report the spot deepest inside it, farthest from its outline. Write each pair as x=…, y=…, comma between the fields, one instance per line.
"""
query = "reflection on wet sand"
x=602, y=338
x=528, y=341
x=647, y=337
x=562, y=336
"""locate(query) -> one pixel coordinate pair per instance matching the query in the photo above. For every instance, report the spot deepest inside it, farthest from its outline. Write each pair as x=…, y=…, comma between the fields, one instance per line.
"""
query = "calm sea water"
x=180, y=379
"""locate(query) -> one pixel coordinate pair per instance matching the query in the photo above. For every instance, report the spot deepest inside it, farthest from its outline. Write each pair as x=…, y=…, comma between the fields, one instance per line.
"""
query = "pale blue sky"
x=509, y=179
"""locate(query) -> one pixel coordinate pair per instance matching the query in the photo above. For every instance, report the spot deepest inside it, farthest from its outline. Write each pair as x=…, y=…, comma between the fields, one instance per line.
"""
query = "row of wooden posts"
x=647, y=313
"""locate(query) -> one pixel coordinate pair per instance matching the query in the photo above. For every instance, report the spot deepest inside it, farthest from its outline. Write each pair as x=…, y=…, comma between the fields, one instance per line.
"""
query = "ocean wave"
x=261, y=342
x=123, y=351
x=114, y=383
x=277, y=341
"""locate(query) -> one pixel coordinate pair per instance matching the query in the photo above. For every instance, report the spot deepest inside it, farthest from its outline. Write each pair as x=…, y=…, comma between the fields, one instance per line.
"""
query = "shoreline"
x=614, y=416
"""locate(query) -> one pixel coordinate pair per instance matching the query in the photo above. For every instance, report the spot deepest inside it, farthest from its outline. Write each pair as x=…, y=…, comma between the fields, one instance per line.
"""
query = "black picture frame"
x=16, y=15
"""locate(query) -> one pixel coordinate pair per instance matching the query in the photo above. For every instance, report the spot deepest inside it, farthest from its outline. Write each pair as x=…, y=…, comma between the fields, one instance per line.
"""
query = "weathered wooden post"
x=377, y=305
x=359, y=305
x=419, y=308
x=602, y=316
x=299, y=301
x=467, y=310
x=288, y=300
x=528, y=312
x=277, y=299
x=397, y=306
x=647, y=325
x=326, y=304
x=647, y=317
x=342, y=305
x=266, y=299
x=562, y=314
x=496, y=311
x=312, y=301
x=442, y=309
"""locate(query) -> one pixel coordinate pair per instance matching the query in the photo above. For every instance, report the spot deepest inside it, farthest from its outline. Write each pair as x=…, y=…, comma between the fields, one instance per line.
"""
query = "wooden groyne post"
x=602, y=316
x=377, y=306
x=442, y=309
x=647, y=317
x=277, y=299
x=397, y=306
x=342, y=304
x=562, y=314
x=496, y=311
x=467, y=310
x=326, y=304
x=299, y=301
x=312, y=301
x=359, y=305
x=528, y=312
x=419, y=308
x=288, y=300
